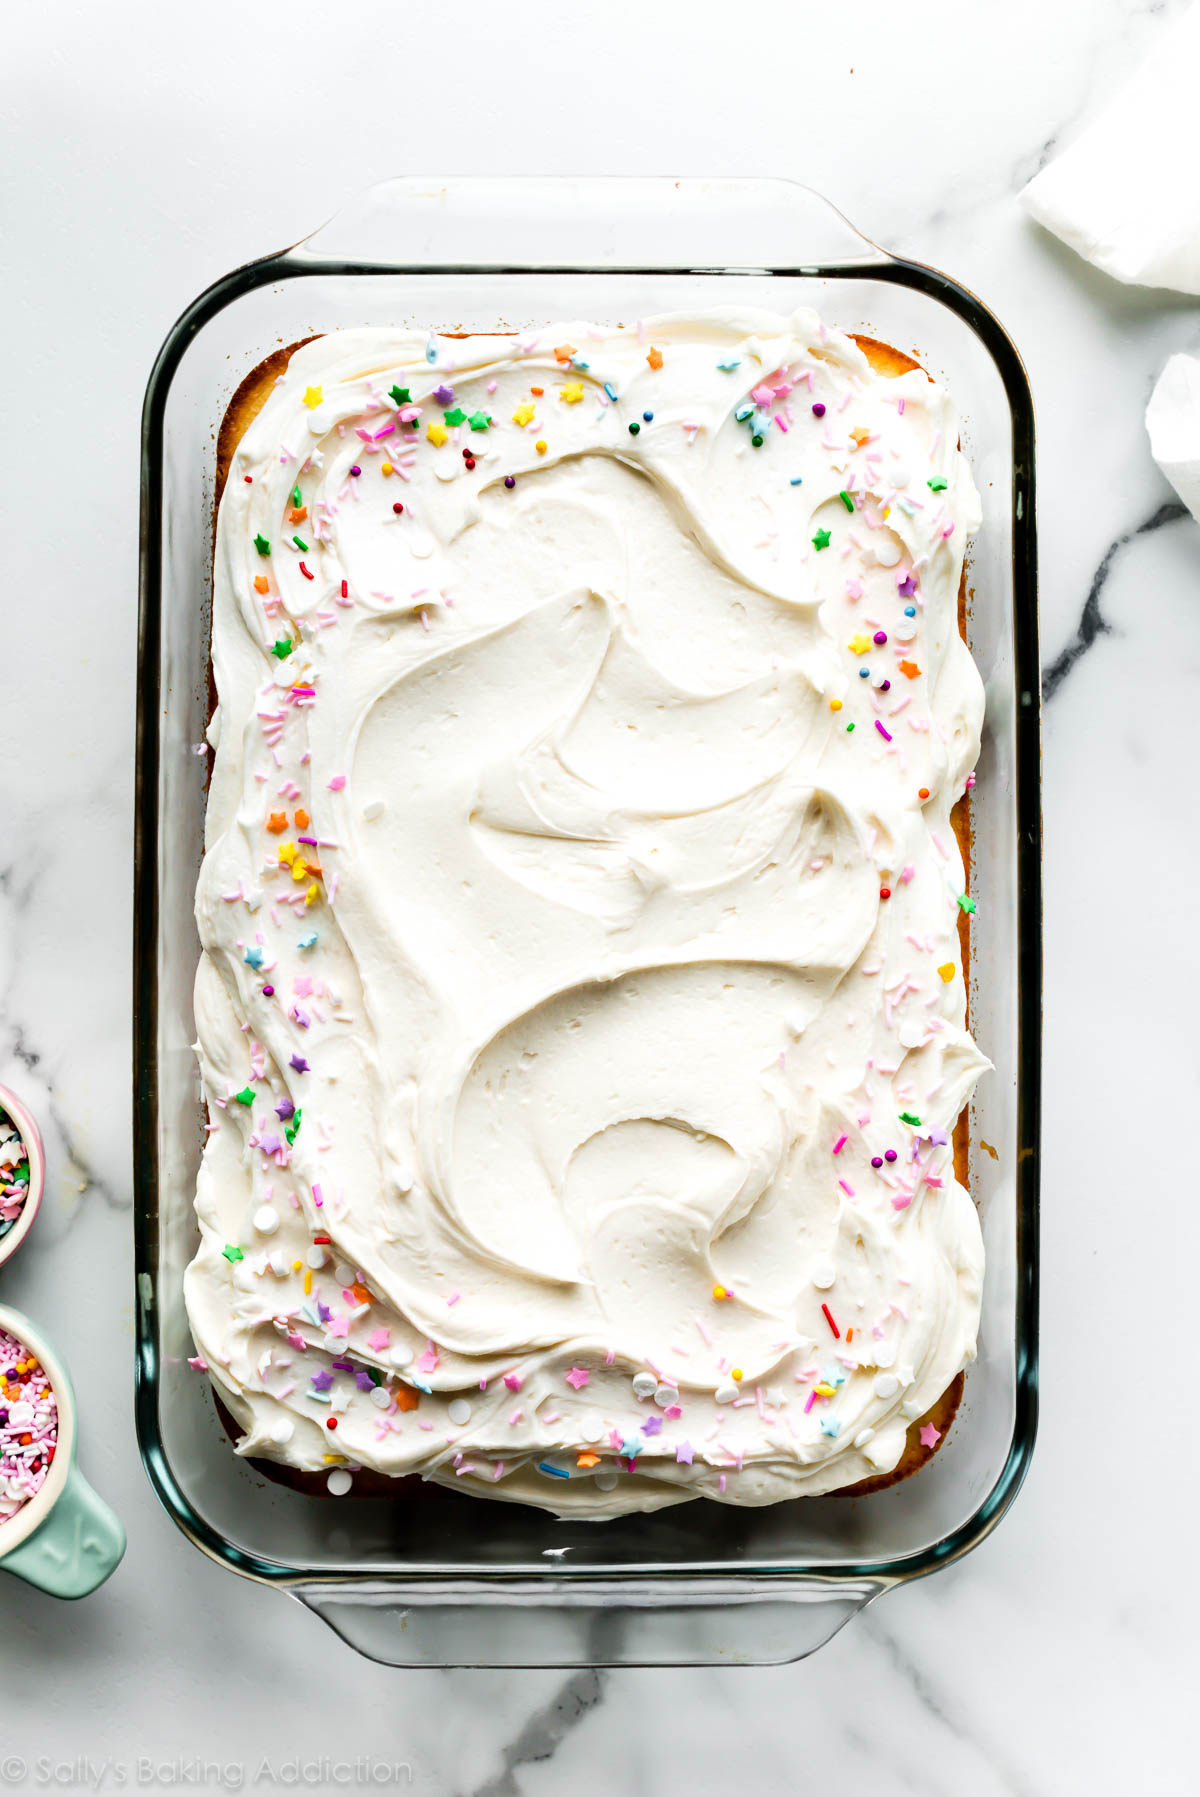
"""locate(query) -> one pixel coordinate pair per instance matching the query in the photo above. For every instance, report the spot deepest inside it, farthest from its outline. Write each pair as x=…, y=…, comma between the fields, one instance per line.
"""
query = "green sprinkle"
x=301, y=544
x=293, y=1128
x=21, y=1176
x=634, y=428
x=479, y=421
x=937, y=484
x=401, y=395
x=846, y=501
x=757, y=441
x=246, y=1095
x=821, y=540
x=966, y=903
x=849, y=728
x=282, y=648
x=455, y=416
x=907, y=1117
x=297, y=496
x=232, y=1253
x=262, y=545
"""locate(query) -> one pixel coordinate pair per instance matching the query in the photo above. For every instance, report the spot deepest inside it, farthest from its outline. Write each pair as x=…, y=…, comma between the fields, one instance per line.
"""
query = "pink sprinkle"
x=854, y=589
x=839, y=1144
x=886, y=737
x=901, y=1203
x=578, y=1377
x=848, y=1189
x=337, y=783
x=453, y=1299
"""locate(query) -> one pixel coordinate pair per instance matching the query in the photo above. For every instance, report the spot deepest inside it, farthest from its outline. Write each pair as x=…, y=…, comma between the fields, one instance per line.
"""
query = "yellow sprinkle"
x=313, y=397
x=437, y=434
x=947, y=971
x=572, y=393
x=287, y=853
x=835, y=705
x=824, y=1391
x=540, y=446
x=719, y=1292
x=296, y=1265
x=307, y=1281
x=299, y=869
x=313, y=894
x=524, y=413
x=386, y=468
x=735, y=1373
x=859, y=644
x=335, y=1460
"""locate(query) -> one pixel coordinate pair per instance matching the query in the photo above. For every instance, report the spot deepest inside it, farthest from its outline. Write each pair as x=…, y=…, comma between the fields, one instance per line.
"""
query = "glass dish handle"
x=589, y=1623
x=592, y=224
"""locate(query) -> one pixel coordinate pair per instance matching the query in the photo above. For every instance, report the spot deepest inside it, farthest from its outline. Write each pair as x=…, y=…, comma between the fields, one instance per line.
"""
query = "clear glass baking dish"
x=442, y=1579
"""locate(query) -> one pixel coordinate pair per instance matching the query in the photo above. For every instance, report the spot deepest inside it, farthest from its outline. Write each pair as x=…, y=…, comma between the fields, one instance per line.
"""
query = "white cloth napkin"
x=1173, y=421
x=1126, y=195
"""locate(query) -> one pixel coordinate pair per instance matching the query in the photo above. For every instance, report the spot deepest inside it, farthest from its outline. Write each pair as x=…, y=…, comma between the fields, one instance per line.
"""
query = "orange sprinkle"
x=540, y=446
x=261, y=584
x=386, y=468
x=298, y=514
x=277, y=822
x=537, y=392
x=407, y=1398
x=654, y=358
x=910, y=668
x=587, y=1460
x=849, y=1336
x=314, y=868
x=361, y=1294
x=923, y=792
x=860, y=436
x=301, y=819
x=564, y=352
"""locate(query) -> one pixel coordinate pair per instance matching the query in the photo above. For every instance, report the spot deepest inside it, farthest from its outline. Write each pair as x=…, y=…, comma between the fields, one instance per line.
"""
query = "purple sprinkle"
x=322, y=1381
x=510, y=480
x=889, y=1154
x=444, y=395
x=818, y=410
x=299, y=1063
x=877, y=1160
x=882, y=731
x=356, y=469
x=885, y=686
x=906, y=587
x=284, y=1109
x=268, y=991
x=880, y=637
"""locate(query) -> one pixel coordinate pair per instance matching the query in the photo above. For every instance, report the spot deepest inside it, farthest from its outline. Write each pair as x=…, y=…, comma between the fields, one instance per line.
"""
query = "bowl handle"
x=77, y=1547
x=597, y=1622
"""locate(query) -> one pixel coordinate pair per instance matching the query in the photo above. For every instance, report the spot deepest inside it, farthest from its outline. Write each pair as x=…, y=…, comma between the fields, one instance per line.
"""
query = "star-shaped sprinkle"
x=859, y=643
x=444, y=395
x=524, y=413
x=283, y=648
x=907, y=1117
x=564, y=352
x=830, y=1426
x=479, y=421
x=652, y=1425
x=254, y=958
x=245, y=1096
x=631, y=1448
x=571, y=393
x=655, y=358
x=729, y=364
x=437, y=434
x=909, y=669
x=859, y=436
x=277, y=822
x=907, y=586
x=378, y=1340
x=232, y=1253
x=821, y=540
x=946, y=971
x=586, y=1460
x=937, y=484
x=513, y=1381
x=966, y=903
x=262, y=544
x=930, y=1436
x=322, y=1381
x=284, y=1109
x=313, y=397
x=401, y=395
x=577, y=1377
x=684, y=1453
x=455, y=416
x=406, y=1398
x=298, y=1063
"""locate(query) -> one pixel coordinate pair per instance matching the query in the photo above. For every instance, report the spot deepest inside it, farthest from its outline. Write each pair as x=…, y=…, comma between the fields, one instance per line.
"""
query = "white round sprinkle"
x=886, y=1385
x=885, y=1354
x=887, y=553
x=606, y=1481
x=863, y=1437
x=725, y=1394
x=339, y=1481
x=400, y=1355
x=591, y=1426
x=644, y=1385
x=664, y=1395
x=458, y=1410
x=282, y=1431
x=823, y=1275
x=20, y=1415
x=373, y=810
x=381, y=1397
x=317, y=1257
x=343, y=1274
x=266, y=1219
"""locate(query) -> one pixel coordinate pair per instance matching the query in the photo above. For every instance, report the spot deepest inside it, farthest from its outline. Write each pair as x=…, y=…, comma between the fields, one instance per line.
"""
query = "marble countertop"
x=151, y=155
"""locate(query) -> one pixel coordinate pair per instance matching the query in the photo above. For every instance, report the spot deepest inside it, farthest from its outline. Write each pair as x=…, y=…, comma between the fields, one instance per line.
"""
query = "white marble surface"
x=147, y=149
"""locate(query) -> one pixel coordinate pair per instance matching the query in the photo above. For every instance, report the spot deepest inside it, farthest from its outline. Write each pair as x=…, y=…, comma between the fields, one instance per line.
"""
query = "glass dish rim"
x=294, y=263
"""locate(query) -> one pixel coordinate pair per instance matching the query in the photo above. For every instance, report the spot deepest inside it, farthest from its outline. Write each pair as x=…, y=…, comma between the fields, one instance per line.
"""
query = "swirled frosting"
x=581, y=1015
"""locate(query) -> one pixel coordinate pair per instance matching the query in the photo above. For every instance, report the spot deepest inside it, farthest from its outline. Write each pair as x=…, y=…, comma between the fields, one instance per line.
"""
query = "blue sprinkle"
x=608, y=389
x=648, y=417
x=830, y=1426
x=863, y=672
x=309, y=941
x=729, y=365
x=254, y=957
x=431, y=350
x=421, y=1386
x=910, y=611
x=798, y=481
x=554, y=1472
x=743, y=412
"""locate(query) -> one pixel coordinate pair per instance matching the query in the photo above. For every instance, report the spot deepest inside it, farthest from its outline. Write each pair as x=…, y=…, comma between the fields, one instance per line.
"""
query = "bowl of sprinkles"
x=22, y=1172
x=55, y=1532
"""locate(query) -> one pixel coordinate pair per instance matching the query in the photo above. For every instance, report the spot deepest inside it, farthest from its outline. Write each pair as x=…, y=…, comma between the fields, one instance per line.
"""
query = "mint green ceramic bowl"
x=65, y=1540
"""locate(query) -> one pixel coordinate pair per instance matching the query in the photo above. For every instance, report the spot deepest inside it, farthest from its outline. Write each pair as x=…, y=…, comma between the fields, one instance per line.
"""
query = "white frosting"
x=605, y=1014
